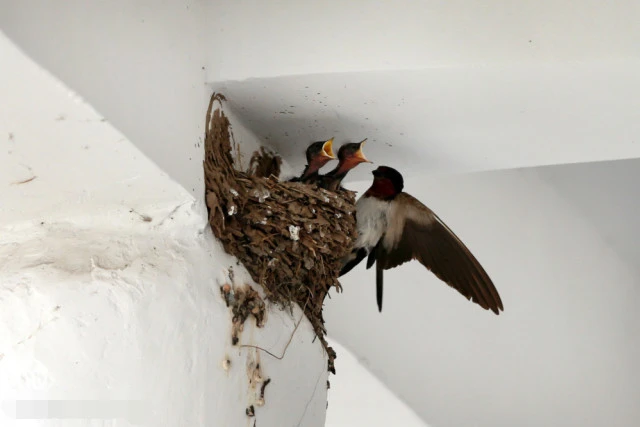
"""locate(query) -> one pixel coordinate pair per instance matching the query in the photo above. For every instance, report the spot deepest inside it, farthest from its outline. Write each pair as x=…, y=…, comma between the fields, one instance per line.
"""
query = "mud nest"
x=289, y=236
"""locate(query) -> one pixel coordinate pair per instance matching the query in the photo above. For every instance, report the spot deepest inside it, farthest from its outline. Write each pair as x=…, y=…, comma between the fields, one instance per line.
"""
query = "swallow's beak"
x=360, y=155
x=327, y=149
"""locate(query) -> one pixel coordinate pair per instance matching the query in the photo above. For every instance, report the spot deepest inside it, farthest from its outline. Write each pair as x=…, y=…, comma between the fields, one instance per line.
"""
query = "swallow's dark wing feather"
x=379, y=273
x=416, y=232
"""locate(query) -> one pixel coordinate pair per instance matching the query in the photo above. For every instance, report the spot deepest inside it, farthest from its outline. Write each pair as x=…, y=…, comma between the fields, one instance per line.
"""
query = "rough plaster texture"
x=110, y=284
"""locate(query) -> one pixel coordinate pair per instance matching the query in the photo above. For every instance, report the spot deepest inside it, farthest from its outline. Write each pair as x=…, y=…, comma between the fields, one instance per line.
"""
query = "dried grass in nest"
x=289, y=236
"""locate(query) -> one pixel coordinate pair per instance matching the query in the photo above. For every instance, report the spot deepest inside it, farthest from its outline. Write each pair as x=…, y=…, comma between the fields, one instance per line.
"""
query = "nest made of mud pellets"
x=289, y=236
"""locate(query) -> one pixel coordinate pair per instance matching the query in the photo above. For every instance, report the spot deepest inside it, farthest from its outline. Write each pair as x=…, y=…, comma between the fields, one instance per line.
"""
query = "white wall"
x=357, y=398
x=563, y=353
x=140, y=63
x=606, y=194
x=101, y=316
x=540, y=82
x=110, y=283
x=453, y=119
x=279, y=37
x=49, y=134
x=460, y=85
x=568, y=330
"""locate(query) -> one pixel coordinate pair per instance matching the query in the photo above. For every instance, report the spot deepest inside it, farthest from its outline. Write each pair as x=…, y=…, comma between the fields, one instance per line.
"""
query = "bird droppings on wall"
x=226, y=364
x=253, y=217
x=250, y=411
x=244, y=302
x=257, y=385
x=265, y=383
x=257, y=379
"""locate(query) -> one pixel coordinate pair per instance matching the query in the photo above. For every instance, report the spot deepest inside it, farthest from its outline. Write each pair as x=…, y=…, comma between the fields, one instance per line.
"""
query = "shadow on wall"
x=606, y=193
x=290, y=135
x=288, y=120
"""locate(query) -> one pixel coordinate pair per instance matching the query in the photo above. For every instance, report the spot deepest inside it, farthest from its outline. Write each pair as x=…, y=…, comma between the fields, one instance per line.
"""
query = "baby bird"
x=349, y=156
x=318, y=154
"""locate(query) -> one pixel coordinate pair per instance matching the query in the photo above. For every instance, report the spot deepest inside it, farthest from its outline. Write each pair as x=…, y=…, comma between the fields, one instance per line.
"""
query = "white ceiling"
x=278, y=38
x=455, y=86
x=452, y=120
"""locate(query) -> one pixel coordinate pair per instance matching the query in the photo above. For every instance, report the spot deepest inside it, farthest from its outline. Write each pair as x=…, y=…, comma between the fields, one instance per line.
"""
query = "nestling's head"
x=350, y=155
x=319, y=153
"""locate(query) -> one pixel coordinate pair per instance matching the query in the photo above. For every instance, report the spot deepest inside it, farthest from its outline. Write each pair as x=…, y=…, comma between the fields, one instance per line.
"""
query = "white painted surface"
x=565, y=349
x=356, y=398
x=109, y=283
x=487, y=86
x=455, y=86
x=49, y=134
x=140, y=63
x=133, y=314
x=462, y=86
x=278, y=37
x=606, y=194
x=453, y=119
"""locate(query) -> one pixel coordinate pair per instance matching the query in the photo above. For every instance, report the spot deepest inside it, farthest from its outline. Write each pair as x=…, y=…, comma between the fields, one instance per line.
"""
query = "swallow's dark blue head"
x=386, y=173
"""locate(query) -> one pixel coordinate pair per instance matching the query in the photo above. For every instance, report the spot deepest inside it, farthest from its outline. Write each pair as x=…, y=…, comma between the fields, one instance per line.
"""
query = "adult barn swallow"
x=349, y=156
x=395, y=227
x=318, y=154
